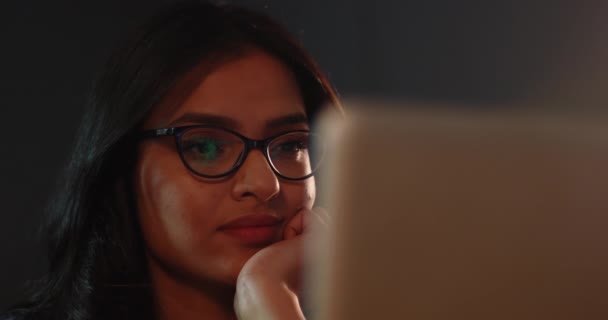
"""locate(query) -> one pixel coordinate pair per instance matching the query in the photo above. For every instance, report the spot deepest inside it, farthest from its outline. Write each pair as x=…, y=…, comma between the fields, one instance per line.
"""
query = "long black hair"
x=97, y=268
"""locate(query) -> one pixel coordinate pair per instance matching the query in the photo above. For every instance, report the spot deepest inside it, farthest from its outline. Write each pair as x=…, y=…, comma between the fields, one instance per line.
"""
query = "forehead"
x=250, y=90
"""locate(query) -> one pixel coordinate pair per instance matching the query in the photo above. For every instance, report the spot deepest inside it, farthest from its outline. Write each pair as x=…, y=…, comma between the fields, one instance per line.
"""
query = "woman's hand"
x=268, y=286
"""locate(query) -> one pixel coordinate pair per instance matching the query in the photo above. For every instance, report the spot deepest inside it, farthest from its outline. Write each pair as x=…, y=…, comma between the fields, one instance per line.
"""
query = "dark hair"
x=96, y=255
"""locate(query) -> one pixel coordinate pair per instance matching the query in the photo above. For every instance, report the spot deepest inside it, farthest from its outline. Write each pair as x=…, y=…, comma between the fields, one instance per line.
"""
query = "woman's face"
x=184, y=217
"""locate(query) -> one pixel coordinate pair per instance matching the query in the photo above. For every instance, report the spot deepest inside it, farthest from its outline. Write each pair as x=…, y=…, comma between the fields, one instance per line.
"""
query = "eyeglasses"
x=214, y=152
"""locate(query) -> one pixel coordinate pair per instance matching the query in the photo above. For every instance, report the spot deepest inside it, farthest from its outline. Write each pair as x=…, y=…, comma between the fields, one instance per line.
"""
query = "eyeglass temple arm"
x=157, y=133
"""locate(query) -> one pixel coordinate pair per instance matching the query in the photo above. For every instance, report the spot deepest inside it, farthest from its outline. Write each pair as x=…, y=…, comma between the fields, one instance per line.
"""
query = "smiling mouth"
x=253, y=230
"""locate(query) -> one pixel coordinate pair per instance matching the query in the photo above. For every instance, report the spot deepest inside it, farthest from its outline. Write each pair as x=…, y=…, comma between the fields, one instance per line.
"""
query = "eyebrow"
x=206, y=119
x=290, y=119
x=229, y=123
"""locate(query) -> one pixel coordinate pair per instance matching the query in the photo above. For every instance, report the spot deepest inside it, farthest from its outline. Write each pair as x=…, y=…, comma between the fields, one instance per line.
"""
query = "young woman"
x=190, y=188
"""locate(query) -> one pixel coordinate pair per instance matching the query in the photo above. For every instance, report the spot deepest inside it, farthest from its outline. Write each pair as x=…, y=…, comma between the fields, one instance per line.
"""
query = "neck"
x=178, y=298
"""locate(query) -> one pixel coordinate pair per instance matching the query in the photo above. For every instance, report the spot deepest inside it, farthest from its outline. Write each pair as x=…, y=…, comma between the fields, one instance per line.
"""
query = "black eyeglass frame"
x=250, y=144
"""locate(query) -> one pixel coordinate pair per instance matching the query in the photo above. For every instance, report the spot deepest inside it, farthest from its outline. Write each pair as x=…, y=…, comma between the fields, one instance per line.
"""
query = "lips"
x=253, y=230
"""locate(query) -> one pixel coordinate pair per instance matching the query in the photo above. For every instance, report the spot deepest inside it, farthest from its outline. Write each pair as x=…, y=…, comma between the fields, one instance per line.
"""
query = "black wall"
x=487, y=53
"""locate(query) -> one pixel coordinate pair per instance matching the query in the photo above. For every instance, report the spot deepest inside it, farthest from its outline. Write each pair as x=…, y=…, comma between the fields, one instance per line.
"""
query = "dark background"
x=490, y=54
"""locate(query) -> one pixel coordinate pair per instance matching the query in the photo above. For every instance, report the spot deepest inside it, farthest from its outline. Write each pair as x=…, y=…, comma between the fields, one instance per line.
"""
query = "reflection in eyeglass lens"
x=210, y=151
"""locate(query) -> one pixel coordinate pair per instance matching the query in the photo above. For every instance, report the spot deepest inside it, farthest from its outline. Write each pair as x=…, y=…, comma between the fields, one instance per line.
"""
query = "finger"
x=315, y=236
x=323, y=215
x=314, y=221
x=294, y=226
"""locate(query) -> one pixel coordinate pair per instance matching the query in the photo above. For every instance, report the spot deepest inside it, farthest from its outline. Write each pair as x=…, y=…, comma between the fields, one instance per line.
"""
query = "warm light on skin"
x=180, y=213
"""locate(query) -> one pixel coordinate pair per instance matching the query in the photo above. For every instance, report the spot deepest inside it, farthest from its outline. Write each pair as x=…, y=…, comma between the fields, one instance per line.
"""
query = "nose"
x=255, y=178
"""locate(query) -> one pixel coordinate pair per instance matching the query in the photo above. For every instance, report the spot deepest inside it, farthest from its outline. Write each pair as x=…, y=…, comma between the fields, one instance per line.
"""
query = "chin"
x=227, y=268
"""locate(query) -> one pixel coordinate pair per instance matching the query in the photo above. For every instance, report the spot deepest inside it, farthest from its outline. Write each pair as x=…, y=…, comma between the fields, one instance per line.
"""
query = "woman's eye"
x=204, y=149
x=289, y=148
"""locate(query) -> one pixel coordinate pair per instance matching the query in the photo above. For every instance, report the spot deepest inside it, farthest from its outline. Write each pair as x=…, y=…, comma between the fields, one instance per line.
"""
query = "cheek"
x=174, y=213
x=299, y=194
